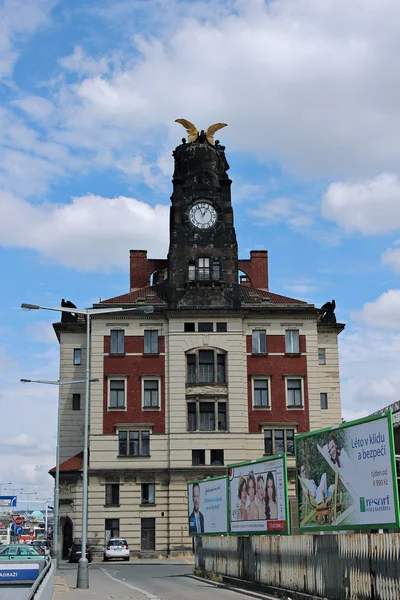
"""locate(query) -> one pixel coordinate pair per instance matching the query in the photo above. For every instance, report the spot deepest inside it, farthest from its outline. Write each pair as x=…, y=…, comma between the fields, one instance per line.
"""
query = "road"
x=135, y=581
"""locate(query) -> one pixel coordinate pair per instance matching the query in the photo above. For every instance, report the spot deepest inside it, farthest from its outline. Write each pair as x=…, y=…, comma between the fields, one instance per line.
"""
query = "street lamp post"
x=29, y=494
x=83, y=572
x=57, y=478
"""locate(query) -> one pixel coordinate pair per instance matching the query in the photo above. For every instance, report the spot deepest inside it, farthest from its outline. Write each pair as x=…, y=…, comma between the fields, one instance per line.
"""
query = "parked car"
x=116, y=548
x=75, y=552
x=41, y=546
x=18, y=550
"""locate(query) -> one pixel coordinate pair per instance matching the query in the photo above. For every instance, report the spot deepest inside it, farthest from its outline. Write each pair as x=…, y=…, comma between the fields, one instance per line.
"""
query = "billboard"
x=207, y=506
x=258, y=499
x=347, y=476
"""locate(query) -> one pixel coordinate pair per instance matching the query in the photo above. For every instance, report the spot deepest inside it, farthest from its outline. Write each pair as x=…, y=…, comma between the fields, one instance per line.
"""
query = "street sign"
x=18, y=529
x=8, y=500
x=17, y=519
x=12, y=527
x=19, y=573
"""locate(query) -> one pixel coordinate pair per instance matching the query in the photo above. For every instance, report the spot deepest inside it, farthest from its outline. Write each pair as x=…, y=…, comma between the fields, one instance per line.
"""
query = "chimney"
x=140, y=269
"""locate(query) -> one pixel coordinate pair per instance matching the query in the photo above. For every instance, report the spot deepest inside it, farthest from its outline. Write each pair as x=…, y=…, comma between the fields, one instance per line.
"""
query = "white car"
x=116, y=548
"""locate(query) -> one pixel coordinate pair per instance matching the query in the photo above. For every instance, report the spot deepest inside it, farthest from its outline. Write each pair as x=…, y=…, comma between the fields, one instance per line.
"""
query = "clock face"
x=202, y=215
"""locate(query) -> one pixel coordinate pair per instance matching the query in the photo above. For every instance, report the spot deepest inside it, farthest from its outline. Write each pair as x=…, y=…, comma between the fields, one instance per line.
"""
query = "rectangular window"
x=151, y=341
x=321, y=356
x=117, y=393
x=192, y=417
x=134, y=443
x=204, y=269
x=222, y=416
x=206, y=366
x=221, y=377
x=151, y=393
x=112, y=494
x=277, y=441
x=111, y=527
x=221, y=327
x=205, y=327
x=292, y=341
x=216, y=271
x=122, y=443
x=259, y=341
x=191, y=368
x=217, y=457
x=76, y=402
x=206, y=416
x=198, y=457
x=77, y=356
x=261, y=395
x=148, y=493
x=188, y=326
x=117, y=341
x=268, y=446
x=294, y=392
x=323, y=400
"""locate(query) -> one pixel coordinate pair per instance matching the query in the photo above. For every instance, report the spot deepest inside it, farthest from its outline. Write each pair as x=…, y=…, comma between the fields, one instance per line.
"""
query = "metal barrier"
x=350, y=566
x=43, y=588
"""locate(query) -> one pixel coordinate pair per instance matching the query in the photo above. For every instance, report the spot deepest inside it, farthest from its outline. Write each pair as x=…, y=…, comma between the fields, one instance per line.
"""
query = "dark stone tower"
x=203, y=253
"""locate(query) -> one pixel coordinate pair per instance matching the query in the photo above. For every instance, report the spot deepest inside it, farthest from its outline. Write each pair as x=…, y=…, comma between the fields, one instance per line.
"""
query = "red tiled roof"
x=153, y=295
x=72, y=464
x=156, y=295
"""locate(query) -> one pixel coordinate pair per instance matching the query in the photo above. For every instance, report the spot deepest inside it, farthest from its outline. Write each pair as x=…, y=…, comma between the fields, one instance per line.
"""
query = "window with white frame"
x=117, y=393
x=321, y=356
x=206, y=415
x=294, y=392
x=323, y=397
x=292, y=341
x=151, y=341
x=278, y=440
x=77, y=356
x=133, y=443
x=151, y=393
x=261, y=392
x=259, y=341
x=117, y=341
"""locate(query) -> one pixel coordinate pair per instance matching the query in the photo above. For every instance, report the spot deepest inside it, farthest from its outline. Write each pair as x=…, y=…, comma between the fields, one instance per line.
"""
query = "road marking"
x=129, y=585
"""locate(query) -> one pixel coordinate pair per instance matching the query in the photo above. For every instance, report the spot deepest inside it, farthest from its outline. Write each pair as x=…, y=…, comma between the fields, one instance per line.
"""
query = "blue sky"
x=89, y=95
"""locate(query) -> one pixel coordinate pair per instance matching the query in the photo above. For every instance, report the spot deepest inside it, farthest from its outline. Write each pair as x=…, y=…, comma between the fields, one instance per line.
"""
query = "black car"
x=75, y=552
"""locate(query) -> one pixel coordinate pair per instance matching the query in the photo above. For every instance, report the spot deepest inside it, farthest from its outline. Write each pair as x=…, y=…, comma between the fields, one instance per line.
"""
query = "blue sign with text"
x=19, y=573
x=8, y=500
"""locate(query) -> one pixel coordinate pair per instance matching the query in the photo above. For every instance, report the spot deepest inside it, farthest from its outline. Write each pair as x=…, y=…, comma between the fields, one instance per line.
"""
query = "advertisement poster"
x=207, y=506
x=347, y=476
x=258, y=501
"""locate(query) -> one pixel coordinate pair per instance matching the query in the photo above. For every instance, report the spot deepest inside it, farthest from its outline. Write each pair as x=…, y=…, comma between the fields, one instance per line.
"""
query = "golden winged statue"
x=194, y=133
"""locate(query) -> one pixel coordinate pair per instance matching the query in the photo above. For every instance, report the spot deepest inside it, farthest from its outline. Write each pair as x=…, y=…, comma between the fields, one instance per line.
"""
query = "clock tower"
x=203, y=253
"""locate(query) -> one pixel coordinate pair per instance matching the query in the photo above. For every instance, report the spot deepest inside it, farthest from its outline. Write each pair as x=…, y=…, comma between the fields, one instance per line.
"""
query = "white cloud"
x=384, y=312
x=19, y=18
x=391, y=258
x=370, y=207
x=310, y=84
x=79, y=62
x=36, y=107
x=41, y=331
x=90, y=233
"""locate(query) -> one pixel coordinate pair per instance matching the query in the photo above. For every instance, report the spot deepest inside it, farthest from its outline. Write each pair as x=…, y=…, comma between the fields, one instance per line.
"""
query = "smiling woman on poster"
x=242, y=495
x=252, y=509
x=271, y=506
x=260, y=499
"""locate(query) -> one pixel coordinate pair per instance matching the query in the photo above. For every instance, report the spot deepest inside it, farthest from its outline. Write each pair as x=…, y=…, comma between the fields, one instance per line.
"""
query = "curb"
x=233, y=588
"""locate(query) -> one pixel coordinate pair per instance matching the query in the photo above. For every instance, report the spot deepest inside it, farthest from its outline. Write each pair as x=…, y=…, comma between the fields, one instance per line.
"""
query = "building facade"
x=223, y=370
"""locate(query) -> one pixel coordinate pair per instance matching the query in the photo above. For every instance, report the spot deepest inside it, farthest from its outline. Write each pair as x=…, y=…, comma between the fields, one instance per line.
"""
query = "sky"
x=89, y=94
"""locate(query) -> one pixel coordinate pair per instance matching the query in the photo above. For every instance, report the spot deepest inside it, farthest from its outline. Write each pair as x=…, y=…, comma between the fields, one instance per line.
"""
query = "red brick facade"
x=277, y=367
x=135, y=367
